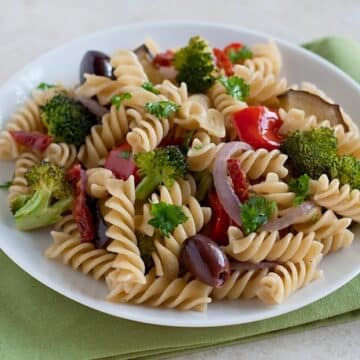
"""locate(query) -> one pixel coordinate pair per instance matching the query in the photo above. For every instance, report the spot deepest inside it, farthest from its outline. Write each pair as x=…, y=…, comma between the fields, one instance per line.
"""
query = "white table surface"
x=30, y=27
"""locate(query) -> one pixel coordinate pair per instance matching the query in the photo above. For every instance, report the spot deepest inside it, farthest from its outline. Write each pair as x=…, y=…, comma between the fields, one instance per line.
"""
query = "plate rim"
x=176, y=321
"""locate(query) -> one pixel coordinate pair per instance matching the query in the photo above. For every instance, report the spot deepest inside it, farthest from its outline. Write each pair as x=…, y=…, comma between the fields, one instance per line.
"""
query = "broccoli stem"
x=36, y=212
x=146, y=186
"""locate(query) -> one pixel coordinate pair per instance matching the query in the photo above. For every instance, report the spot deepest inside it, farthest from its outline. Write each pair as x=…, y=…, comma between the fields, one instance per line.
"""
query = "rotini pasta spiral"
x=348, y=141
x=27, y=118
x=96, y=182
x=226, y=104
x=272, y=188
x=195, y=115
x=128, y=69
x=261, y=72
x=271, y=246
x=330, y=230
x=241, y=284
x=104, y=137
x=295, y=119
x=168, y=249
x=333, y=196
x=202, y=152
x=173, y=93
x=61, y=154
x=128, y=264
x=19, y=183
x=66, y=224
x=179, y=194
x=285, y=279
x=180, y=293
x=82, y=256
x=257, y=163
x=148, y=133
x=101, y=87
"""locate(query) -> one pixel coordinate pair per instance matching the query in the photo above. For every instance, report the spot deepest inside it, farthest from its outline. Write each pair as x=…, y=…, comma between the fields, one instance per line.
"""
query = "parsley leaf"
x=166, y=217
x=6, y=184
x=149, y=86
x=255, y=212
x=242, y=54
x=300, y=187
x=118, y=99
x=162, y=109
x=236, y=87
x=44, y=86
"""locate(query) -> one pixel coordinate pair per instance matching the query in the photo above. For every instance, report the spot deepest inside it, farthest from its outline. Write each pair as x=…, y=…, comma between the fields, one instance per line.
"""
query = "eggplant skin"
x=312, y=104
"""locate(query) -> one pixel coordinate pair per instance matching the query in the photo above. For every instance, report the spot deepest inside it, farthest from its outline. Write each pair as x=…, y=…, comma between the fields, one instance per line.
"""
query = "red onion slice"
x=289, y=217
x=93, y=106
x=224, y=190
x=246, y=265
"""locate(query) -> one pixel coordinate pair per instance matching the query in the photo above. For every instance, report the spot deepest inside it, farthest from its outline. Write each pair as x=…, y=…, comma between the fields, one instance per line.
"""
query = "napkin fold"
x=37, y=323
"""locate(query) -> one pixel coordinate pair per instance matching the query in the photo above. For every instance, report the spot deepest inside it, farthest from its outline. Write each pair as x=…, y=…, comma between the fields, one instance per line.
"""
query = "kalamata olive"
x=96, y=63
x=100, y=240
x=204, y=259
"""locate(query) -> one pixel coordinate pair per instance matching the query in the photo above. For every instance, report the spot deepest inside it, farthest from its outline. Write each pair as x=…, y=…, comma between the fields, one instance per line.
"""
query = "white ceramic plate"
x=62, y=65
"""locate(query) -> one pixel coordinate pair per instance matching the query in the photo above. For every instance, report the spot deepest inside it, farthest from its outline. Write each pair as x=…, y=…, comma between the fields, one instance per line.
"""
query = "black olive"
x=96, y=63
x=100, y=240
x=204, y=259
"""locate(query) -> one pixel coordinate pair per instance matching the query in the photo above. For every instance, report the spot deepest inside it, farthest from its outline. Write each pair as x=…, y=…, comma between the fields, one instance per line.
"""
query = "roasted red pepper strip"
x=220, y=221
x=32, y=140
x=258, y=126
x=223, y=61
x=121, y=163
x=81, y=212
x=238, y=178
x=164, y=59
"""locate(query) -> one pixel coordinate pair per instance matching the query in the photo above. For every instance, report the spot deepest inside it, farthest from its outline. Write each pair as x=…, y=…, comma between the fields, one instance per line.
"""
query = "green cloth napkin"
x=37, y=323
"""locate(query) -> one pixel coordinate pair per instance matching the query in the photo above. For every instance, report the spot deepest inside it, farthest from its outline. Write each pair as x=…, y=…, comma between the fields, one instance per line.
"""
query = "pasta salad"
x=186, y=176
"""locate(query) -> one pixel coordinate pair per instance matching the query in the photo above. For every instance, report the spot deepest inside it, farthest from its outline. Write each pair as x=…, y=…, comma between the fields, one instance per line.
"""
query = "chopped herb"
x=118, y=99
x=44, y=86
x=125, y=154
x=162, y=109
x=166, y=217
x=300, y=187
x=242, y=54
x=6, y=184
x=149, y=86
x=236, y=87
x=255, y=212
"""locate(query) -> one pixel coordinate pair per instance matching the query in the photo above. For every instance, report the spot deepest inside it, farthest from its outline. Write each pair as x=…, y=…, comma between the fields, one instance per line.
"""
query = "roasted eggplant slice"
x=312, y=105
x=146, y=58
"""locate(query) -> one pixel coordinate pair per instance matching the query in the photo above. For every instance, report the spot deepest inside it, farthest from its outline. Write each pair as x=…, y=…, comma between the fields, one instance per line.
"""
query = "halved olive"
x=96, y=63
x=204, y=259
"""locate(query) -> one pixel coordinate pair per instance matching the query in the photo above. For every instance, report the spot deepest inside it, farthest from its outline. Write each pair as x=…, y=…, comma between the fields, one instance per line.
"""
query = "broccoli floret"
x=347, y=171
x=195, y=65
x=311, y=152
x=50, y=197
x=146, y=247
x=160, y=166
x=67, y=120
